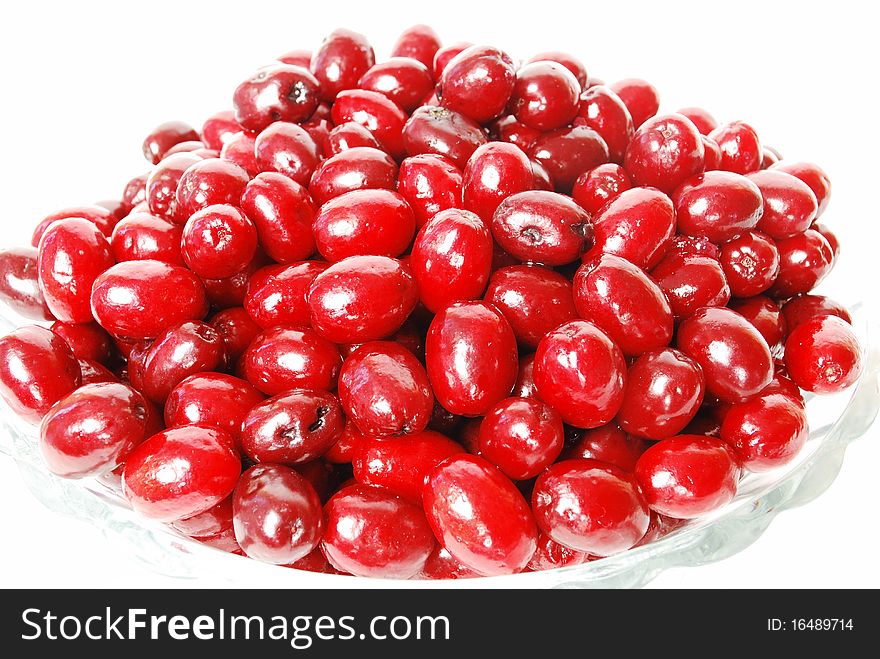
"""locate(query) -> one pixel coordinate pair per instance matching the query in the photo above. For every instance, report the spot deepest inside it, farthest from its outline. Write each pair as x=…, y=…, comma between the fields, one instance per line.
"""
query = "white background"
x=83, y=82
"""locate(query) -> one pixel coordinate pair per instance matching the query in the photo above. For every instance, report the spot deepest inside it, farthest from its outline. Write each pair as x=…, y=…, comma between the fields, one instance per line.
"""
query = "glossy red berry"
x=541, y=226
x=789, y=204
x=218, y=241
x=282, y=212
x=590, y=506
x=403, y=80
x=283, y=358
x=86, y=340
x=277, y=514
x=240, y=149
x=343, y=57
x=717, y=205
x=545, y=95
x=430, y=183
x=19, y=283
x=479, y=516
x=691, y=282
x=161, y=186
x=142, y=236
x=451, y=259
x=208, y=182
x=804, y=261
x=494, y=172
x=735, y=358
x=237, y=329
x=361, y=168
x=444, y=132
x=521, y=436
x=180, y=351
x=348, y=136
x=385, y=390
x=279, y=92
x=211, y=399
x=180, y=472
x=637, y=225
x=292, y=428
x=218, y=128
x=230, y=291
x=102, y=218
x=91, y=430
x=566, y=153
x=342, y=299
x=764, y=314
x=806, y=307
x=750, y=263
x=608, y=444
x=573, y=64
x=624, y=302
x=664, y=391
x=276, y=294
x=811, y=174
x=375, y=112
x=370, y=532
x=640, y=97
x=140, y=299
x=37, y=368
x=445, y=54
x=823, y=355
x=165, y=136
x=740, y=147
x=419, y=42
x=470, y=385
x=701, y=118
x=401, y=465
x=477, y=82
x=73, y=253
x=687, y=476
x=533, y=299
x=580, y=372
x=364, y=222
x=664, y=152
x=765, y=432
x=288, y=149
x=551, y=555
x=603, y=111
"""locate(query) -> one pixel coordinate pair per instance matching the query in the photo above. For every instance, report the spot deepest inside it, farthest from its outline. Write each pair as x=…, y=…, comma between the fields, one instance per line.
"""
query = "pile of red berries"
x=441, y=316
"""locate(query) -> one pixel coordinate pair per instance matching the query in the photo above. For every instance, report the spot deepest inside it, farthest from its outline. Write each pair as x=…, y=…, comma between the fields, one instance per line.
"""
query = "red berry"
x=218, y=241
x=282, y=212
x=92, y=430
x=140, y=299
x=279, y=92
x=208, y=182
x=566, y=153
x=165, y=136
x=590, y=506
x=375, y=112
x=533, y=299
x=603, y=111
x=521, y=436
x=86, y=340
x=288, y=149
x=637, y=225
x=701, y=118
x=813, y=176
x=277, y=515
x=550, y=555
x=161, y=186
x=180, y=351
x=419, y=42
x=541, y=226
x=494, y=172
x=451, y=259
x=348, y=136
x=364, y=222
x=276, y=294
x=403, y=80
x=822, y=355
x=430, y=183
x=608, y=444
x=141, y=236
x=237, y=329
x=479, y=516
x=580, y=372
x=73, y=253
x=508, y=129
x=573, y=64
x=735, y=358
x=664, y=391
x=804, y=261
x=402, y=465
x=344, y=56
x=370, y=532
x=717, y=205
x=102, y=218
x=624, y=302
x=765, y=432
x=471, y=356
x=445, y=54
x=361, y=168
x=292, y=428
x=180, y=472
x=443, y=132
x=789, y=204
x=764, y=314
x=750, y=263
x=19, y=283
x=740, y=147
x=640, y=97
x=664, y=152
x=478, y=83
x=240, y=149
x=806, y=307
x=691, y=282
x=283, y=358
x=385, y=390
x=545, y=95
x=687, y=476
x=219, y=128
x=211, y=399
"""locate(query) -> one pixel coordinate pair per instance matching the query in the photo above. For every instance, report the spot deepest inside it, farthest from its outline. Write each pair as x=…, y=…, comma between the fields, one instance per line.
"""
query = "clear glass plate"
x=835, y=421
